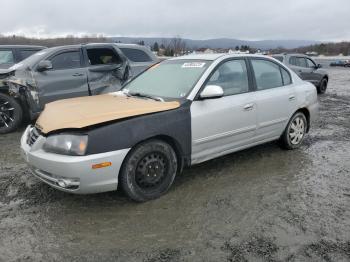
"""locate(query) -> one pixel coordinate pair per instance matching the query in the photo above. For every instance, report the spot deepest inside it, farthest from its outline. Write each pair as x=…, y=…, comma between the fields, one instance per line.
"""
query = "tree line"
x=50, y=42
x=328, y=49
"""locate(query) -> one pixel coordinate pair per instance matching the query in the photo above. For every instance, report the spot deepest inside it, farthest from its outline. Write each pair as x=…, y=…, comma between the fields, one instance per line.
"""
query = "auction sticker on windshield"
x=193, y=65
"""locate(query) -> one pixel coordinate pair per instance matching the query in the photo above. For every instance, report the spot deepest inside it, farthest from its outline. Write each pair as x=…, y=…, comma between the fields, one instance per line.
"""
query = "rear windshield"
x=136, y=55
x=169, y=79
x=6, y=57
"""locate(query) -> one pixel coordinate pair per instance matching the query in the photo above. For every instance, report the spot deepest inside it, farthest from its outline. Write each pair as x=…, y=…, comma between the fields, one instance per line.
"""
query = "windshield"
x=31, y=60
x=169, y=79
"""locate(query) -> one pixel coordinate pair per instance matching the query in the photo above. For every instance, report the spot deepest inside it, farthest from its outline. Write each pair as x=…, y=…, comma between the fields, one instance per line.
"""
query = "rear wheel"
x=295, y=131
x=11, y=114
x=323, y=86
x=149, y=170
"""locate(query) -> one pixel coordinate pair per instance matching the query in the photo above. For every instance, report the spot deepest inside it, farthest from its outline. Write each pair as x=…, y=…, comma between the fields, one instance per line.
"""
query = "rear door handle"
x=78, y=74
x=291, y=98
x=248, y=107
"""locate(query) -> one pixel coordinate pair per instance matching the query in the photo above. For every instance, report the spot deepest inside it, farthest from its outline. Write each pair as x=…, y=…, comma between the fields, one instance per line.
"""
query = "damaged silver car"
x=65, y=72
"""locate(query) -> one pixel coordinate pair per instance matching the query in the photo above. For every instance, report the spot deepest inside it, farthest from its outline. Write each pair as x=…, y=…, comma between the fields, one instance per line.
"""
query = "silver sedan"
x=178, y=113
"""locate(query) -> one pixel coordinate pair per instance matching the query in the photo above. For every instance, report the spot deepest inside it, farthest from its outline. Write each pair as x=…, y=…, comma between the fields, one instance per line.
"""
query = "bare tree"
x=178, y=45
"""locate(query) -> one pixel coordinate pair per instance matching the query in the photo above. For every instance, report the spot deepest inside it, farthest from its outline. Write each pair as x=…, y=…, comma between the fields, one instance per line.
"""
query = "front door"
x=66, y=79
x=225, y=124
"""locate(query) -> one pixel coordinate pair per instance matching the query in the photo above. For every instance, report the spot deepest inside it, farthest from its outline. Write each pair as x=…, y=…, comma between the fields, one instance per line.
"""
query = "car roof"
x=290, y=54
x=23, y=46
x=96, y=44
x=213, y=57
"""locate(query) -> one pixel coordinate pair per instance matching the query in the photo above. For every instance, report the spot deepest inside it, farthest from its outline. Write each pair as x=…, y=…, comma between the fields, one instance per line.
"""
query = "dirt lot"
x=262, y=204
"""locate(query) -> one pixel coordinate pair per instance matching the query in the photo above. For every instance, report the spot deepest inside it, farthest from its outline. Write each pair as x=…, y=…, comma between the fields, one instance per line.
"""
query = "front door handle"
x=78, y=74
x=291, y=98
x=248, y=107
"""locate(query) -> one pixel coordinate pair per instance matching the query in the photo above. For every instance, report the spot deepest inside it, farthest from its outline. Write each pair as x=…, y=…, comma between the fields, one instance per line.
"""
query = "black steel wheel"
x=11, y=114
x=323, y=86
x=148, y=170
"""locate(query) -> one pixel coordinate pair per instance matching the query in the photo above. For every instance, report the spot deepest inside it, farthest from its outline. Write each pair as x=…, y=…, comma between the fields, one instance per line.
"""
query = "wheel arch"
x=176, y=146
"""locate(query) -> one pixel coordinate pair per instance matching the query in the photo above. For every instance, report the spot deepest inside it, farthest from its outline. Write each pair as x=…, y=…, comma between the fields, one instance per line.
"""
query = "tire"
x=148, y=170
x=321, y=89
x=11, y=114
x=295, y=132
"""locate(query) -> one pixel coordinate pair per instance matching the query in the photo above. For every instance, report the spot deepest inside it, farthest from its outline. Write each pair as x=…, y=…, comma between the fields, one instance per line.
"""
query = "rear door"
x=222, y=125
x=106, y=69
x=66, y=79
x=275, y=98
x=139, y=59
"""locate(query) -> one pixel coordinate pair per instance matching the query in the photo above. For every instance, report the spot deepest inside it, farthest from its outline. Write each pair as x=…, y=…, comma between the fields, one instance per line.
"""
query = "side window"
x=6, y=57
x=286, y=77
x=310, y=63
x=267, y=74
x=136, y=55
x=26, y=53
x=66, y=60
x=102, y=56
x=301, y=61
x=232, y=76
x=293, y=60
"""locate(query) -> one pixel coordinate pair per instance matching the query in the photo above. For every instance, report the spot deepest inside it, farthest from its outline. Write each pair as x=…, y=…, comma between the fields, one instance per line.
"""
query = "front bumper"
x=73, y=174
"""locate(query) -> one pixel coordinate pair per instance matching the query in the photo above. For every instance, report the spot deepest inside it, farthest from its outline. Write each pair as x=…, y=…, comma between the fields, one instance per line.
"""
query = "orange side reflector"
x=101, y=165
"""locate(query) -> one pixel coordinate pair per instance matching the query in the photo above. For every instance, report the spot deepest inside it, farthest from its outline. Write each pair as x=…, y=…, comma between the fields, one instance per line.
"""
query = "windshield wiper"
x=145, y=96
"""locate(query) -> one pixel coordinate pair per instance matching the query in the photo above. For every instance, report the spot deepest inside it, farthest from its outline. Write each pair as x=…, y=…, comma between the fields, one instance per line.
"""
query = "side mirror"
x=318, y=66
x=212, y=91
x=44, y=65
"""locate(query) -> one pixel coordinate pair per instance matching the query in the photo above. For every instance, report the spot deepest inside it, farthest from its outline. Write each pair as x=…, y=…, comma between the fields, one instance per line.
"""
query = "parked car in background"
x=307, y=69
x=12, y=54
x=341, y=63
x=140, y=57
x=182, y=112
x=64, y=72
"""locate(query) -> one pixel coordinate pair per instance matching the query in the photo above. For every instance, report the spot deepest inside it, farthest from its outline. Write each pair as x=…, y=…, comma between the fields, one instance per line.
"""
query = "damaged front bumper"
x=74, y=174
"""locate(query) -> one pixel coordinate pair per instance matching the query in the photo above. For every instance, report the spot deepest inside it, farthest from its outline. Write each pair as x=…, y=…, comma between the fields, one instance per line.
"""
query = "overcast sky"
x=198, y=19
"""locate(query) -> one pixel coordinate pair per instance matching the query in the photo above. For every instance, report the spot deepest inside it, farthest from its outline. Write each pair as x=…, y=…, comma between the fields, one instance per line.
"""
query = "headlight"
x=74, y=145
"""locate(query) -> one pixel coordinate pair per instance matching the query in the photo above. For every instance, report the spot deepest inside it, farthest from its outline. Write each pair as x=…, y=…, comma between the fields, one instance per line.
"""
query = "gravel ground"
x=261, y=204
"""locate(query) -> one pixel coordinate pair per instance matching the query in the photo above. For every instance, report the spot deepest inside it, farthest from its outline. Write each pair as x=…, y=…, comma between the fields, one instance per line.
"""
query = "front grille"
x=32, y=136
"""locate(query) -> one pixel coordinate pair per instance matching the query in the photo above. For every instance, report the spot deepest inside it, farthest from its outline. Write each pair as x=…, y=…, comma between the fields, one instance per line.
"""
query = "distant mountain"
x=220, y=42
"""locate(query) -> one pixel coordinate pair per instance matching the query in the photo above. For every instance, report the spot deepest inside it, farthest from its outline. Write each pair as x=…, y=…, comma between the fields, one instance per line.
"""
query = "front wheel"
x=11, y=114
x=149, y=170
x=295, y=131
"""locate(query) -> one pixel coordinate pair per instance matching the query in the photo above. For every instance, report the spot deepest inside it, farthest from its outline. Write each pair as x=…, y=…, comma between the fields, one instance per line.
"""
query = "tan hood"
x=86, y=111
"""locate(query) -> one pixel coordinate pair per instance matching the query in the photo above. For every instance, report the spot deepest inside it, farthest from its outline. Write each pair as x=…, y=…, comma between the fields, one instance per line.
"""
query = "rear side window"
x=286, y=77
x=6, y=57
x=102, y=56
x=66, y=60
x=136, y=55
x=26, y=53
x=267, y=74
